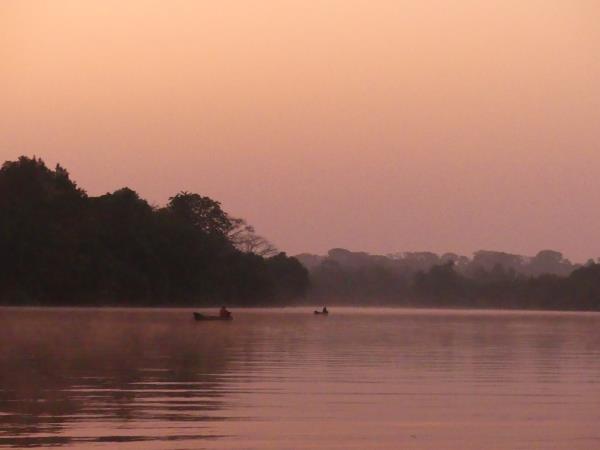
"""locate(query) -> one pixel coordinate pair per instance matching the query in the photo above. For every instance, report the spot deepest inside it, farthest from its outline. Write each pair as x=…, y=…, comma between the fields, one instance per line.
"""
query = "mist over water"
x=286, y=379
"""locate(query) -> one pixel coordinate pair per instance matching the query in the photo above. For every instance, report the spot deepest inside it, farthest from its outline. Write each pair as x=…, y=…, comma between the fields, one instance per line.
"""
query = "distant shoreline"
x=61, y=247
x=309, y=308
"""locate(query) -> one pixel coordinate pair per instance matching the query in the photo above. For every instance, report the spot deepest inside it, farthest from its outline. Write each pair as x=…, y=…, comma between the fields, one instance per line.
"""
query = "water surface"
x=285, y=379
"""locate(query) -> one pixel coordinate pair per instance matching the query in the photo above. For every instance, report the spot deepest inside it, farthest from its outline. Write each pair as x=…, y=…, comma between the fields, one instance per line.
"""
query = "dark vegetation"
x=59, y=246
x=488, y=280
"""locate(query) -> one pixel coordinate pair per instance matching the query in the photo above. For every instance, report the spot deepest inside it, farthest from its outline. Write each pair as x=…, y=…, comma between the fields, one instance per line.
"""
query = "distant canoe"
x=200, y=316
x=322, y=313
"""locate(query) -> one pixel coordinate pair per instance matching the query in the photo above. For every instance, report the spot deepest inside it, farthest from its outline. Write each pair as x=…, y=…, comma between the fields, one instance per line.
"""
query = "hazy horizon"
x=377, y=127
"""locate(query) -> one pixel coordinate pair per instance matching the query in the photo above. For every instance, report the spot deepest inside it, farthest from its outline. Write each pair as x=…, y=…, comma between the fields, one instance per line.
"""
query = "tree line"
x=60, y=246
x=488, y=280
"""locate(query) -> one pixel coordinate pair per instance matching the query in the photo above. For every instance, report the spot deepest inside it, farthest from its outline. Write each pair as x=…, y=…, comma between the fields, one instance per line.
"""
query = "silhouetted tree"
x=59, y=246
x=441, y=284
x=203, y=213
x=245, y=239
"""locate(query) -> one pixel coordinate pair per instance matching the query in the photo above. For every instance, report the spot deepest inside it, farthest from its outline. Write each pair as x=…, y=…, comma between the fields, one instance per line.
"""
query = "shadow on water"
x=72, y=368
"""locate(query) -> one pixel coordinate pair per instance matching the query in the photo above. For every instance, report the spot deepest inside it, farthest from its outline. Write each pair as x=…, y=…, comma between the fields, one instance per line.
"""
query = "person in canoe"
x=324, y=310
x=224, y=313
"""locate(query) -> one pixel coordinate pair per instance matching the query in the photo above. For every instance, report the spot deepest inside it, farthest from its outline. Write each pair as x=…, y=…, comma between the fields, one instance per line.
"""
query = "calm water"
x=285, y=379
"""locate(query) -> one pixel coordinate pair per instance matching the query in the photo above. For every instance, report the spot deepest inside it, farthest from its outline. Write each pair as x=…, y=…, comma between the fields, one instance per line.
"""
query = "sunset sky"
x=380, y=126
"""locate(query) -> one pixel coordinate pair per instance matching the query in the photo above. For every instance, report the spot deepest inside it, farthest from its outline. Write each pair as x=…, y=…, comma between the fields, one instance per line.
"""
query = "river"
x=287, y=379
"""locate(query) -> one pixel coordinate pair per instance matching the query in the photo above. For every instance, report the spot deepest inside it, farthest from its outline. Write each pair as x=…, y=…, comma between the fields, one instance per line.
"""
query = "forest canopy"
x=490, y=279
x=60, y=246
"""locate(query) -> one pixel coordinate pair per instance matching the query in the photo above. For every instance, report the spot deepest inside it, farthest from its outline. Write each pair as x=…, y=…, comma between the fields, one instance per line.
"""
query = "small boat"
x=200, y=316
x=324, y=313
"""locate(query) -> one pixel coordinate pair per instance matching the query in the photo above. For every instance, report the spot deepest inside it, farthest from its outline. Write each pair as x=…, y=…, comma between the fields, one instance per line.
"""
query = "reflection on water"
x=375, y=378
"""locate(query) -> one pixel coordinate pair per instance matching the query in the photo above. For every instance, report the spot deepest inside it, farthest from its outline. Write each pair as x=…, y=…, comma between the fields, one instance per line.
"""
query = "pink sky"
x=372, y=125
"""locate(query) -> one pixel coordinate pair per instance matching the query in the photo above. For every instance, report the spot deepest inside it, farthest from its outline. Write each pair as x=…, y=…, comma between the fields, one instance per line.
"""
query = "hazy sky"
x=372, y=125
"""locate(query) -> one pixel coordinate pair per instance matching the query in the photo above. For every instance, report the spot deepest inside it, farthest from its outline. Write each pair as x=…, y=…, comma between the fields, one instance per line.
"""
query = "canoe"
x=200, y=316
x=322, y=313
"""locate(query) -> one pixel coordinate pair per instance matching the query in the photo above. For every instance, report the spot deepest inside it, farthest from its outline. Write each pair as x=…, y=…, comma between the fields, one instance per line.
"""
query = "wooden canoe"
x=200, y=316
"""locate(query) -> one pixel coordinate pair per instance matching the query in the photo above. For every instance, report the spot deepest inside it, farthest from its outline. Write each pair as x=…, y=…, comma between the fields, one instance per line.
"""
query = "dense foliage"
x=60, y=246
x=488, y=280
